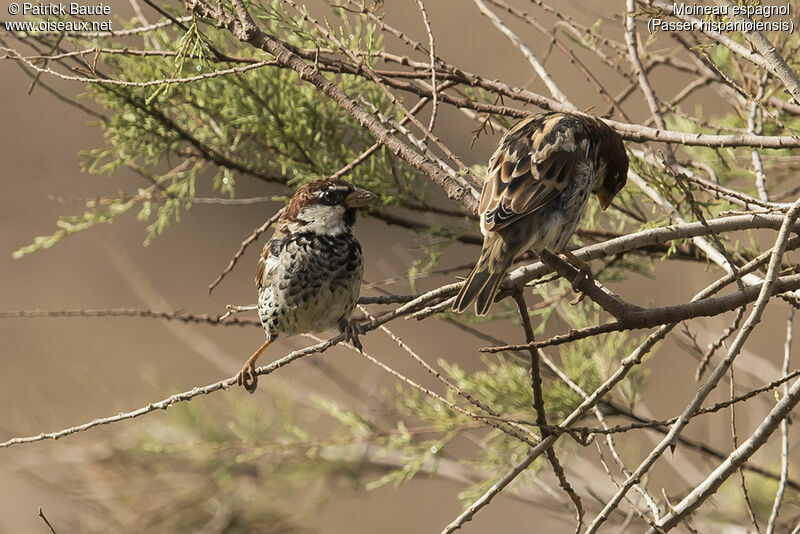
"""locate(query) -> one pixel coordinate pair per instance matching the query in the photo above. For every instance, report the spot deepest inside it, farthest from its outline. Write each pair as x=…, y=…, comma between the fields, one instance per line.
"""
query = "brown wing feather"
x=532, y=165
x=262, y=264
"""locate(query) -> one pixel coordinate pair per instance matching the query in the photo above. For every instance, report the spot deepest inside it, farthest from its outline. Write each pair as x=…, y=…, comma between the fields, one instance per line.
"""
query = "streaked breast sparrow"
x=309, y=273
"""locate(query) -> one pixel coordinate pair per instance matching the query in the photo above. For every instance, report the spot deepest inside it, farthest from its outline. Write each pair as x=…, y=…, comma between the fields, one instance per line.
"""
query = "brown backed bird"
x=538, y=182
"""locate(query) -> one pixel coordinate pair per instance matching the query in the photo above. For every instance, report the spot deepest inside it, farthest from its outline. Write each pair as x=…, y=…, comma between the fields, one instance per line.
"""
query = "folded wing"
x=532, y=165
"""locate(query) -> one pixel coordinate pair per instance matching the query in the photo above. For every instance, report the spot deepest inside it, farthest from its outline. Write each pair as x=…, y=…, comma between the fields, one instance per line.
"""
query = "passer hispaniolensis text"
x=538, y=182
x=309, y=273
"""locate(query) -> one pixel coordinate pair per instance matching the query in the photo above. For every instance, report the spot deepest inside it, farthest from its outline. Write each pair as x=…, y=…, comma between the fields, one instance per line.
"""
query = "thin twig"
x=573, y=59
x=717, y=343
x=755, y=126
x=703, y=491
x=776, y=505
x=130, y=312
x=644, y=84
x=517, y=429
x=609, y=439
x=41, y=514
x=246, y=243
x=740, y=470
x=529, y=55
x=541, y=414
x=432, y=50
x=125, y=83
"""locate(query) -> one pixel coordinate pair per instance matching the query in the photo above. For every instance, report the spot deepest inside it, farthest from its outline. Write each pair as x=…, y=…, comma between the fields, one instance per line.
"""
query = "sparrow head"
x=612, y=164
x=325, y=207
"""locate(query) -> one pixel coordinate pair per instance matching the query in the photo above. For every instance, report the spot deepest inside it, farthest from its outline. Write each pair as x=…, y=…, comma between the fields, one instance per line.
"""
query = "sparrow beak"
x=604, y=198
x=359, y=198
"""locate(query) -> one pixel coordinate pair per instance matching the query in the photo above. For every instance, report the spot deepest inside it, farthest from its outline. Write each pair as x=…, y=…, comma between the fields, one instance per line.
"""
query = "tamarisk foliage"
x=214, y=94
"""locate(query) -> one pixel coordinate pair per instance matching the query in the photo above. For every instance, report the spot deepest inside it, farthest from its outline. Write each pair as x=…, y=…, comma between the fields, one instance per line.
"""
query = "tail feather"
x=486, y=295
x=469, y=291
x=482, y=284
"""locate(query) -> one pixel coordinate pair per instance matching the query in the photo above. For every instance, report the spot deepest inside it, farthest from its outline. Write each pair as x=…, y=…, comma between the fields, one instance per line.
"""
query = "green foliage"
x=263, y=124
x=504, y=384
x=76, y=223
x=415, y=456
x=246, y=465
x=761, y=492
x=266, y=124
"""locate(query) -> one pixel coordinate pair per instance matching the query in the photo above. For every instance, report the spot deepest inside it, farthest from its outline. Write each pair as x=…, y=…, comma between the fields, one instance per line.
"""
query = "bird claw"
x=248, y=378
x=583, y=274
x=351, y=333
x=576, y=282
x=577, y=300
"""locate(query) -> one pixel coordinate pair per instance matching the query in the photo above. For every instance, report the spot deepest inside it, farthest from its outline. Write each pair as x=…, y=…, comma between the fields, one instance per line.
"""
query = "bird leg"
x=247, y=377
x=584, y=273
x=351, y=330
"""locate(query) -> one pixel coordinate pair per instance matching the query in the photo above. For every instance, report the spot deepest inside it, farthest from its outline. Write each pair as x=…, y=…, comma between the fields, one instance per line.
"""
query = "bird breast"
x=552, y=226
x=310, y=283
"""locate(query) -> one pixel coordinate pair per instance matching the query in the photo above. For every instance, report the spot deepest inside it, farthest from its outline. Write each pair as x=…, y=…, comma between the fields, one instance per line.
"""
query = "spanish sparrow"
x=309, y=273
x=538, y=182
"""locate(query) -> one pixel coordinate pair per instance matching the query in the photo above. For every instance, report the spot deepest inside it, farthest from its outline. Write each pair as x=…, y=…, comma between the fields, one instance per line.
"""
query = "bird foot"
x=584, y=273
x=247, y=377
x=351, y=333
x=578, y=299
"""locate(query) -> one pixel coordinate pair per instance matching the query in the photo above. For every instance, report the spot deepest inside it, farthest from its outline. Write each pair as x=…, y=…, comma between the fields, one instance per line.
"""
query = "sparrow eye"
x=331, y=197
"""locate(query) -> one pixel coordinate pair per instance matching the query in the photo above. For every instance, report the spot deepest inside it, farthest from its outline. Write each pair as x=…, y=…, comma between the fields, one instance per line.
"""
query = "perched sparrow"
x=538, y=182
x=309, y=273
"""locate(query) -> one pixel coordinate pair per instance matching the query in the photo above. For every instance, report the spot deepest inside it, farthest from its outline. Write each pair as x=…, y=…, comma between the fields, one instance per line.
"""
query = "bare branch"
x=541, y=413
x=41, y=514
x=776, y=505
x=644, y=83
x=698, y=496
x=246, y=30
x=129, y=312
x=431, y=44
x=246, y=243
x=522, y=47
x=772, y=60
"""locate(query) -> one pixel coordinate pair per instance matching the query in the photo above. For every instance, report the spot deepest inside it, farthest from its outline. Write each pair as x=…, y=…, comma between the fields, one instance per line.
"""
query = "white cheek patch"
x=322, y=219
